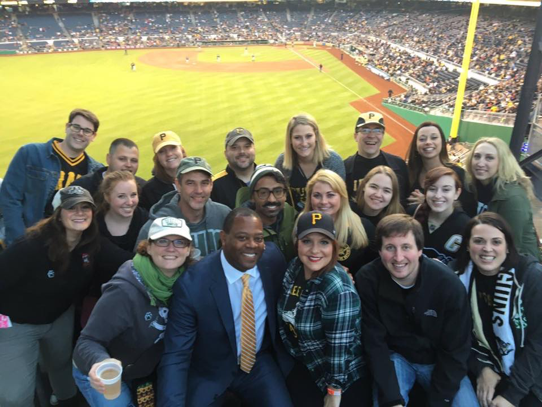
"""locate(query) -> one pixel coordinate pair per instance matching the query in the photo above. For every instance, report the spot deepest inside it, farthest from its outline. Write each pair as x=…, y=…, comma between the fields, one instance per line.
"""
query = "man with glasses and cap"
x=240, y=154
x=266, y=195
x=38, y=170
x=369, y=133
x=191, y=202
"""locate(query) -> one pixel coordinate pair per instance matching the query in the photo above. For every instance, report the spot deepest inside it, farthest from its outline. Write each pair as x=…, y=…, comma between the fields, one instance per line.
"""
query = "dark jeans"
x=305, y=393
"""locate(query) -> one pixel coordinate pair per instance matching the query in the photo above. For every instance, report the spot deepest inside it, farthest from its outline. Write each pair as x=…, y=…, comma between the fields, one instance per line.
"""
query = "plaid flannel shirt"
x=328, y=325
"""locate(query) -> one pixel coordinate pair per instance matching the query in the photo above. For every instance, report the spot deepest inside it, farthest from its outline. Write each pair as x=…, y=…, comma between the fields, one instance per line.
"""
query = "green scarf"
x=159, y=286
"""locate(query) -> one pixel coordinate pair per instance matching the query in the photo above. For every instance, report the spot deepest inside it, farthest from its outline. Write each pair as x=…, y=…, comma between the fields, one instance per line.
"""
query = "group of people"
x=315, y=281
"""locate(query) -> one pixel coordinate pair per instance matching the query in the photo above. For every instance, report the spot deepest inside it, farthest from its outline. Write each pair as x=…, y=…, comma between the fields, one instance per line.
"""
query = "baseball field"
x=200, y=94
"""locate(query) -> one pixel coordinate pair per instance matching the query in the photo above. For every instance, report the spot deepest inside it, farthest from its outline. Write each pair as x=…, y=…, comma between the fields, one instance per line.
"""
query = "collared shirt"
x=235, y=289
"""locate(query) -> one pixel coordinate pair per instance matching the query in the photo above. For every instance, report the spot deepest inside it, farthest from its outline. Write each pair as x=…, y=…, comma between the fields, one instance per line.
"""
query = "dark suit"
x=200, y=359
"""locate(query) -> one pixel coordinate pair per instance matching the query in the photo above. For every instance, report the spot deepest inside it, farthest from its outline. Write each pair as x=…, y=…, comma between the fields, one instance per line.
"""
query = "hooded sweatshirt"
x=125, y=326
x=205, y=234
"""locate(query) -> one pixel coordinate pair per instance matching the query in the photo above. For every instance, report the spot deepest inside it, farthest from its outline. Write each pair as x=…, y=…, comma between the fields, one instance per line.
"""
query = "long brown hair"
x=415, y=162
x=395, y=205
x=160, y=172
x=332, y=263
x=52, y=232
x=431, y=178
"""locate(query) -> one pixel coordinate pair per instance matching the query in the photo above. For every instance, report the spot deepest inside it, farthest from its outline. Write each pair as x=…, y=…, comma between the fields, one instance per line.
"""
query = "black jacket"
x=396, y=163
x=153, y=191
x=225, y=187
x=429, y=324
x=91, y=182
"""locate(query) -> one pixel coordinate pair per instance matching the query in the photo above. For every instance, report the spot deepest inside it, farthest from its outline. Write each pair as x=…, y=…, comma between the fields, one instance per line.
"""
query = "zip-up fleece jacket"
x=205, y=234
x=429, y=324
x=526, y=323
x=125, y=326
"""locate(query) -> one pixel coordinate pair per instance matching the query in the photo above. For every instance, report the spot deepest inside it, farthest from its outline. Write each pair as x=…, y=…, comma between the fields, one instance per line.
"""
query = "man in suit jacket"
x=204, y=356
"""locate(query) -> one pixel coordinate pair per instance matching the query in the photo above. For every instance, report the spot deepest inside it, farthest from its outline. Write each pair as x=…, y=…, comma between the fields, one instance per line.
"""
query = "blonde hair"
x=321, y=149
x=394, y=206
x=109, y=182
x=347, y=222
x=508, y=170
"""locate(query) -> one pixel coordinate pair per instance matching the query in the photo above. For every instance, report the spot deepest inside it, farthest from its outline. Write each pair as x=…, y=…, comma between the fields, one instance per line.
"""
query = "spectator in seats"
x=42, y=275
x=119, y=217
x=222, y=328
x=416, y=321
x=319, y=314
x=442, y=218
x=240, y=154
x=368, y=133
x=39, y=169
x=501, y=186
x=142, y=287
x=427, y=151
x=378, y=195
x=504, y=290
x=123, y=156
x=168, y=153
x=305, y=152
x=266, y=195
x=326, y=192
x=191, y=202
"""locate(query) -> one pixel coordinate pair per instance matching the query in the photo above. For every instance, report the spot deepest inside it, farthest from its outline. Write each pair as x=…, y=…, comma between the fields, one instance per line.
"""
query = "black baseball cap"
x=315, y=222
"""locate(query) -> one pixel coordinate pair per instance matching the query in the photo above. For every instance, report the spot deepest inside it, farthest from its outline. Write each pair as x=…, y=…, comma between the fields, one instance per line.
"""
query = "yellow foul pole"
x=464, y=74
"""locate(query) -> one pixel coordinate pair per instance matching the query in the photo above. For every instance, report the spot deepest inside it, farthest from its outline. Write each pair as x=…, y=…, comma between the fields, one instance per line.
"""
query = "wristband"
x=334, y=392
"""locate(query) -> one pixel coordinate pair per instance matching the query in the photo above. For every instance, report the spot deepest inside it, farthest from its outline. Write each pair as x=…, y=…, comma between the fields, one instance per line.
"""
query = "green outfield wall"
x=468, y=131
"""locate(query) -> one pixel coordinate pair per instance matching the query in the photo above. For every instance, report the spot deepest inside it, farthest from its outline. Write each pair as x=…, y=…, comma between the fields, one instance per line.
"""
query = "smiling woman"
x=501, y=186
x=42, y=275
x=320, y=314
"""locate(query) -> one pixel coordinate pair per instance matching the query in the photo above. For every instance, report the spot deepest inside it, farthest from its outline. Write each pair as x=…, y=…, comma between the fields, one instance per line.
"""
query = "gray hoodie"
x=205, y=234
x=125, y=326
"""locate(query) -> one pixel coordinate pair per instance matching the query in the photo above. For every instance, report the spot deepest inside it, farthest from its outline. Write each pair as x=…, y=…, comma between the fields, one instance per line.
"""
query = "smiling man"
x=369, y=133
x=240, y=154
x=267, y=197
x=416, y=321
x=123, y=156
x=222, y=330
x=191, y=202
x=38, y=170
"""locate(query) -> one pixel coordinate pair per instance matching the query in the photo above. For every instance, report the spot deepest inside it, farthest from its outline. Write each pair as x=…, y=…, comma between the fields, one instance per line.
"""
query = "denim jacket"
x=29, y=183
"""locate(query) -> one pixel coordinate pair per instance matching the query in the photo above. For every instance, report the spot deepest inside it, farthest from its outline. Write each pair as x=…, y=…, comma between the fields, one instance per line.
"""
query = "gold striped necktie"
x=248, y=328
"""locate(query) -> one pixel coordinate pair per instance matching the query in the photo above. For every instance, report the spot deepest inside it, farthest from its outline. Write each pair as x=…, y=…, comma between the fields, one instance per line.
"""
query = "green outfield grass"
x=38, y=92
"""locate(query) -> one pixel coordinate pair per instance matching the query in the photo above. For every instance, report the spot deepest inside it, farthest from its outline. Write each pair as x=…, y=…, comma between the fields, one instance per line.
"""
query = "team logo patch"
x=344, y=252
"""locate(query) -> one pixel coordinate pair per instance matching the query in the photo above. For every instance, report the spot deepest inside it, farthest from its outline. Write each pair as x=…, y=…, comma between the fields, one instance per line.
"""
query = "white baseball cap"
x=169, y=226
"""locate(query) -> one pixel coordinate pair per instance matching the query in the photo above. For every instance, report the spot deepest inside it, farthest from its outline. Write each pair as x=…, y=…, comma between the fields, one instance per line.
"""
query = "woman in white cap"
x=320, y=322
x=42, y=275
x=168, y=153
x=132, y=335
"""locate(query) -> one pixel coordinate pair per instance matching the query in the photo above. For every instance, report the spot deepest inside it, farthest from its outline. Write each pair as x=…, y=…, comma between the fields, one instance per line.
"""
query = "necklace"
x=432, y=227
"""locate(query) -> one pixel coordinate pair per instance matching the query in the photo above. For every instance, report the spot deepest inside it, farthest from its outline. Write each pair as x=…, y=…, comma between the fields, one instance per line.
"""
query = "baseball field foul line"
x=350, y=90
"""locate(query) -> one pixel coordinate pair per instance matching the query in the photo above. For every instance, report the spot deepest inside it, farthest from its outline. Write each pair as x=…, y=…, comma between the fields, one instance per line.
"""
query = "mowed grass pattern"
x=38, y=92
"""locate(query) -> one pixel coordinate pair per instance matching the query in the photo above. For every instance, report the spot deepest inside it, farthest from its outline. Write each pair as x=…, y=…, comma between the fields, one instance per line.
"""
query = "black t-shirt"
x=354, y=259
x=443, y=243
x=70, y=170
x=485, y=291
x=128, y=241
x=362, y=166
x=298, y=183
x=484, y=193
x=290, y=309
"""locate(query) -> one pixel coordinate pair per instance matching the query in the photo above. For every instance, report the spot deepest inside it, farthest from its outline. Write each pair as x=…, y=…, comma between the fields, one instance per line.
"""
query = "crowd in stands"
x=408, y=45
x=316, y=281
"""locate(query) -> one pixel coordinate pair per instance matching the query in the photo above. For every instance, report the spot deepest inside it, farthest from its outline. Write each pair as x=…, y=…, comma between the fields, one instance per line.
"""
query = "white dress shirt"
x=235, y=289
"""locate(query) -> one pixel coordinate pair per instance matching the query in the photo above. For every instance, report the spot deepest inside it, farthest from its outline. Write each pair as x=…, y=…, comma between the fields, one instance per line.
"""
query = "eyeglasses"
x=178, y=243
x=76, y=129
x=373, y=131
x=263, y=193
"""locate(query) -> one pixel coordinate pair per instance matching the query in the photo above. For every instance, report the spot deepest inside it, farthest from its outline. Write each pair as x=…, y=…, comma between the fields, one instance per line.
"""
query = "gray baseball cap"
x=190, y=164
x=236, y=134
